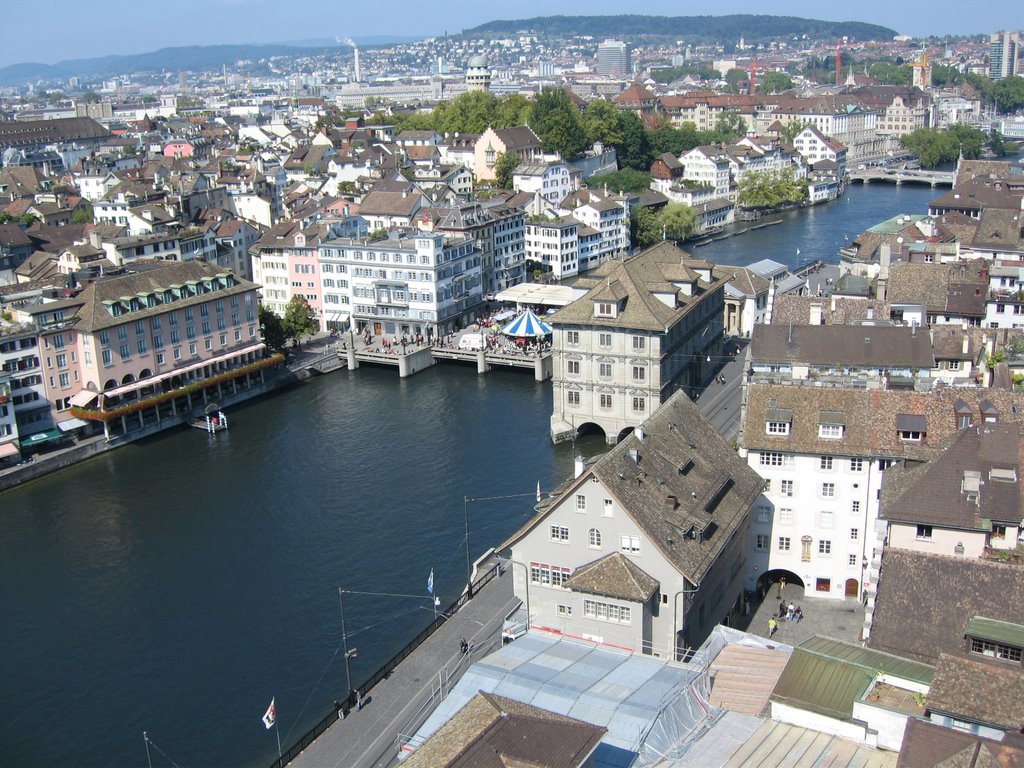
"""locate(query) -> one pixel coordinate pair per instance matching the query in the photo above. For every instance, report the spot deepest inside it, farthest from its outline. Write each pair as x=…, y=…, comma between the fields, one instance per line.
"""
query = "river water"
x=175, y=585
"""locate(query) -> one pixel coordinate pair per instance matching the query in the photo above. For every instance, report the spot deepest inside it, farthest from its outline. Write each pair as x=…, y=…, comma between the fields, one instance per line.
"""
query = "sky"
x=147, y=25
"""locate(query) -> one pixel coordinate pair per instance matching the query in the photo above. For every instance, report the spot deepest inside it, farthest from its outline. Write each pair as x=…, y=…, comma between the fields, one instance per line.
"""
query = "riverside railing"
x=386, y=669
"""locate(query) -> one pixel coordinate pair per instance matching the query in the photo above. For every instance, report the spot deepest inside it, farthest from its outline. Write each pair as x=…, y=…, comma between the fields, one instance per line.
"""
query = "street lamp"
x=348, y=654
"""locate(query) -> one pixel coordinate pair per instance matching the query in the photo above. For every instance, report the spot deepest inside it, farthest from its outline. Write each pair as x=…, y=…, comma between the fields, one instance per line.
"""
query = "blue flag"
x=430, y=582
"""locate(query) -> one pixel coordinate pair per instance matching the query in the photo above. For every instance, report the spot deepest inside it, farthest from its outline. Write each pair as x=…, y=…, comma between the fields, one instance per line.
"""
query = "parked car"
x=516, y=625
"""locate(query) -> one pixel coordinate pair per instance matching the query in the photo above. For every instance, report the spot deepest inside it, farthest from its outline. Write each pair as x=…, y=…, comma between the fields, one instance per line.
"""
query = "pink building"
x=179, y=148
x=131, y=350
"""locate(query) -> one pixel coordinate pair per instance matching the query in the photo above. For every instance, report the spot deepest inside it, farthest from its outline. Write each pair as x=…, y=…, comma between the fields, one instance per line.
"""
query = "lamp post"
x=345, y=650
x=469, y=563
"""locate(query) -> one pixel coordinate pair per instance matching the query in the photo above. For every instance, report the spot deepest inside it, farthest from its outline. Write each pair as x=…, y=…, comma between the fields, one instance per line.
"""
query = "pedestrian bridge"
x=903, y=176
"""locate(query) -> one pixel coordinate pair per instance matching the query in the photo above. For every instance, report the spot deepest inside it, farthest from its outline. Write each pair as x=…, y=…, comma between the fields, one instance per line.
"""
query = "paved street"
x=720, y=403
x=839, y=619
x=368, y=738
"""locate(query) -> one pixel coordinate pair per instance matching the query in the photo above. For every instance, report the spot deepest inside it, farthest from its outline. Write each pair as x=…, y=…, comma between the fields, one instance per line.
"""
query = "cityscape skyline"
x=150, y=28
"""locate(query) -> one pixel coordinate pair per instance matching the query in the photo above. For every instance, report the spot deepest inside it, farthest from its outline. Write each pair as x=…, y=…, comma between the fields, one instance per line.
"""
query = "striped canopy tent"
x=527, y=324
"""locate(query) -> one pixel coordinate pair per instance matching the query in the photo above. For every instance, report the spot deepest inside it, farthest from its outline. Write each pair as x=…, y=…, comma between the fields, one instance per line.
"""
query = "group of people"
x=393, y=346
x=790, y=612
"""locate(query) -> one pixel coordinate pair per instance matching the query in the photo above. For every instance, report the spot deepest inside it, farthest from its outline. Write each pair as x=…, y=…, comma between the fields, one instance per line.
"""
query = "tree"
x=730, y=126
x=734, y=78
x=299, y=319
x=601, y=123
x=644, y=227
x=995, y=143
x=626, y=180
x=945, y=75
x=1008, y=94
x=83, y=215
x=469, y=112
x=789, y=131
x=768, y=189
x=91, y=97
x=556, y=120
x=891, y=74
x=635, y=150
x=272, y=329
x=512, y=110
x=505, y=167
x=774, y=82
x=677, y=221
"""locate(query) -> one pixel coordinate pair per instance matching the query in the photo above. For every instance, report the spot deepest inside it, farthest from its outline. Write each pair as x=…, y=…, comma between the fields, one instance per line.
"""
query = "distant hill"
x=193, y=58
x=710, y=29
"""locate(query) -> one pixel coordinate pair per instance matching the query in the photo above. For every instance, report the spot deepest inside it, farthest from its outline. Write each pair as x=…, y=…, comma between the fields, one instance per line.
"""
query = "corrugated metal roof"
x=871, y=660
x=996, y=631
x=827, y=676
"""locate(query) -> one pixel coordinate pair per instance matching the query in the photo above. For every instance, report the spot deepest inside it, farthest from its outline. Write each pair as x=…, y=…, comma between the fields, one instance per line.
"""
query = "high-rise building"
x=613, y=59
x=1003, y=49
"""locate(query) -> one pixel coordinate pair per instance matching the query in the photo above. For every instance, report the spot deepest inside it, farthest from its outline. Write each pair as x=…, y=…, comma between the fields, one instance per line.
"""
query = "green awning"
x=41, y=437
x=996, y=631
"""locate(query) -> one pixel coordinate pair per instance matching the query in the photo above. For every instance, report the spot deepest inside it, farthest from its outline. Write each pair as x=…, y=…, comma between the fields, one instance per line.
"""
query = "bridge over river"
x=902, y=176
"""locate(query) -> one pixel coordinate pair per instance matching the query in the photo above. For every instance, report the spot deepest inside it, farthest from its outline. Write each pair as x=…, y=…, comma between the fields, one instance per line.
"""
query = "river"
x=175, y=585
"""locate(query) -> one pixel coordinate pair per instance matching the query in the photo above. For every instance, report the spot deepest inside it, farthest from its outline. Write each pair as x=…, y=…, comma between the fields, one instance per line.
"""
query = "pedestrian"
x=782, y=586
x=799, y=614
x=782, y=609
x=773, y=627
x=463, y=645
x=359, y=700
x=790, y=612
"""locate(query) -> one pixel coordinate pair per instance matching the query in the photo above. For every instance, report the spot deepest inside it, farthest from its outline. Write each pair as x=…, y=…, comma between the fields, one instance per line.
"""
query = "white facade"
x=555, y=244
x=704, y=168
x=554, y=181
x=415, y=283
x=816, y=519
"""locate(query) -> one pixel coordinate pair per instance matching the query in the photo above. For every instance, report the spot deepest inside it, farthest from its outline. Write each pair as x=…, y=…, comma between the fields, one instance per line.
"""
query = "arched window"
x=594, y=538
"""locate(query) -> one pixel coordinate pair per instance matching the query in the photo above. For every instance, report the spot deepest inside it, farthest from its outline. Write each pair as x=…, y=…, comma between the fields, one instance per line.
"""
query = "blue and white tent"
x=527, y=324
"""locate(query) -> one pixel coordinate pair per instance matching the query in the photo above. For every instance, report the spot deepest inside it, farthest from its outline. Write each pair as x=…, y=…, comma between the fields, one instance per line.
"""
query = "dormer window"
x=911, y=427
x=604, y=309
x=777, y=427
x=831, y=425
x=995, y=639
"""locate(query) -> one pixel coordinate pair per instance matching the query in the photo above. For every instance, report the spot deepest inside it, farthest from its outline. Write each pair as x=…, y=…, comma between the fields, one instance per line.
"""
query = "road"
x=720, y=403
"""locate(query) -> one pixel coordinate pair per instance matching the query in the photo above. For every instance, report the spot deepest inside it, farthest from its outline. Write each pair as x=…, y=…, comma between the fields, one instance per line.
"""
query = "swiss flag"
x=271, y=716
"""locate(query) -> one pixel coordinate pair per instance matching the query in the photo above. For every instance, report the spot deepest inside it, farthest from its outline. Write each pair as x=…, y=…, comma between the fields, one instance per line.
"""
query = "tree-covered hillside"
x=710, y=29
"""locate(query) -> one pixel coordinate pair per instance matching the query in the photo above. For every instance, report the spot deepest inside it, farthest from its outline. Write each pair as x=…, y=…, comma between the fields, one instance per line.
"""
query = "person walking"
x=790, y=612
x=782, y=609
x=773, y=627
x=782, y=586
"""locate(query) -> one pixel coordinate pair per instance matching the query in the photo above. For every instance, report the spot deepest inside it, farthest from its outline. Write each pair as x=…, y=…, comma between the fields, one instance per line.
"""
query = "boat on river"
x=211, y=420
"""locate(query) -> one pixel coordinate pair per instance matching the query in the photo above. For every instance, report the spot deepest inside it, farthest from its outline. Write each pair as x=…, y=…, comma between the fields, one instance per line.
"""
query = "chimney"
x=815, y=314
x=967, y=343
x=579, y=466
x=671, y=502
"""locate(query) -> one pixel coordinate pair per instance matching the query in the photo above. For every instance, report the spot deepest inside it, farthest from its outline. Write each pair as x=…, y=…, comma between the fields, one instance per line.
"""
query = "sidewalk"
x=368, y=738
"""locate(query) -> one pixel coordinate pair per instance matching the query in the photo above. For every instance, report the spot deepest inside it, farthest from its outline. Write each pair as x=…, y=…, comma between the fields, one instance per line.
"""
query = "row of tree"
x=564, y=128
x=933, y=146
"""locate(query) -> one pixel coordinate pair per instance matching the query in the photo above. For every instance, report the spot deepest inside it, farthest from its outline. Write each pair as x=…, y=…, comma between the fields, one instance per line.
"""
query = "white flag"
x=538, y=490
x=430, y=582
x=271, y=716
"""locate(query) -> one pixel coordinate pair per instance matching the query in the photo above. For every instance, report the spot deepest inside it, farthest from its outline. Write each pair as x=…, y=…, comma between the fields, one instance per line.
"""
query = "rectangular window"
x=190, y=332
x=639, y=373
x=572, y=367
x=629, y=545
x=824, y=547
x=204, y=310
x=572, y=337
x=125, y=352
x=639, y=404
x=559, y=533
x=924, y=533
x=581, y=502
x=856, y=465
x=565, y=610
x=594, y=609
x=854, y=534
x=65, y=380
x=639, y=342
x=775, y=459
x=572, y=397
x=784, y=543
x=104, y=338
x=105, y=354
x=764, y=514
x=828, y=490
x=608, y=508
x=851, y=560
x=761, y=542
x=855, y=507
x=206, y=327
x=825, y=462
x=830, y=431
x=777, y=427
x=786, y=487
x=172, y=319
x=141, y=344
x=188, y=314
x=825, y=519
x=605, y=370
x=606, y=401
x=785, y=516
x=604, y=340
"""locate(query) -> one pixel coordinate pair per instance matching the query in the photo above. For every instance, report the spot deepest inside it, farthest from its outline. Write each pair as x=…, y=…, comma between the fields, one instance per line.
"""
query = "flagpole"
x=145, y=738
x=344, y=642
x=277, y=732
x=469, y=564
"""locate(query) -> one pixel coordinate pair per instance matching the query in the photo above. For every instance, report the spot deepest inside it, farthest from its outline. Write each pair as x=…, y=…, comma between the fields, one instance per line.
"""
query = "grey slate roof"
x=613, y=575
x=867, y=346
x=934, y=492
x=492, y=731
x=926, y=745
x=661, y=268
x=925, y=601
x=979, y=691
x=871, y=417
